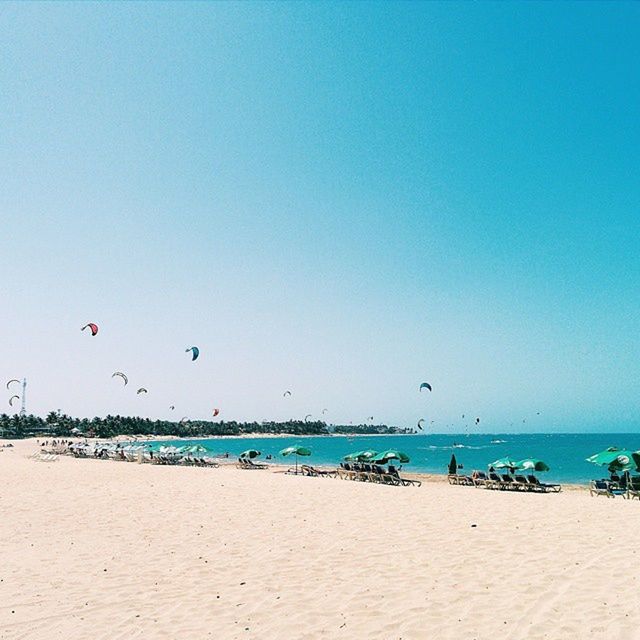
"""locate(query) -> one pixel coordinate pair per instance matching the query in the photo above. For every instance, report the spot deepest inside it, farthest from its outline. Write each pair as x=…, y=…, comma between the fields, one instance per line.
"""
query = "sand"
x=108, y=550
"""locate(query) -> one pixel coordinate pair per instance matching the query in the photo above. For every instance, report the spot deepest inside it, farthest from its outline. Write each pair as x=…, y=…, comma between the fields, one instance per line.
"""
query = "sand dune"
x=109, y=550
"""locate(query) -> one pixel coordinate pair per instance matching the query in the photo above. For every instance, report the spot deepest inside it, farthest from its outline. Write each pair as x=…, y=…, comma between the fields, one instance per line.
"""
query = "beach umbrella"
x=504, y=463
x=532, y=464
x=361, y=456
x=453, y=465
x=391, y=454
x=297, y=451
x=250, y=453
x=193, y=448
x=616, y=459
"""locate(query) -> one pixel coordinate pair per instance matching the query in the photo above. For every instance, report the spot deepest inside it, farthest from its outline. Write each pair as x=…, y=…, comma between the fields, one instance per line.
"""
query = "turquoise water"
x=564, y=453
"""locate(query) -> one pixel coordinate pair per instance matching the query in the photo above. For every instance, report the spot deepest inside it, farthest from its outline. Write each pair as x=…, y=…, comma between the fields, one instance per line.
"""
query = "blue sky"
x=338, y=199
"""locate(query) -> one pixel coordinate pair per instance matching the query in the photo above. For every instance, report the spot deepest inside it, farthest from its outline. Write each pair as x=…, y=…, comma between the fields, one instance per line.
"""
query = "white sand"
x=109, y=550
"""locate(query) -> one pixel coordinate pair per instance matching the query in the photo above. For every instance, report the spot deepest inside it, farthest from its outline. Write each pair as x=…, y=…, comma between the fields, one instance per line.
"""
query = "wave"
x=448, y=447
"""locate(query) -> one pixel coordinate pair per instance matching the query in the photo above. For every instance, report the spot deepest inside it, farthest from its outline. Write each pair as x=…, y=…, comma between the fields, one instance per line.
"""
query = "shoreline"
x=280, y=467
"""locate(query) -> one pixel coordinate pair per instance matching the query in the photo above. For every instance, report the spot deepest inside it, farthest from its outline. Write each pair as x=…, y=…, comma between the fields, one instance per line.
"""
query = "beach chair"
x=605, y=488
x=408, y=482
x=493, y=481
x=345, y=472
x=323, y=473
x=599, y=488
x=245, y=463
x=361, y=472
x=478, y=478
x=453, y=478
x=542, y=486
x=508, y=482
x=382, y=476
x=633, y=488
x=522, y=483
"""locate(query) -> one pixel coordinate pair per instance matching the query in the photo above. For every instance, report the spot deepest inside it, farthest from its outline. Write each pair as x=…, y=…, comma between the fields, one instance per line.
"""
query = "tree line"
x=59, y=425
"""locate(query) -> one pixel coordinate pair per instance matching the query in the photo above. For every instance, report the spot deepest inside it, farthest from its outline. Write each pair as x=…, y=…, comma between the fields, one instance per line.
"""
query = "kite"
x=12, y=398
x=141, y=390
x=92, y=326
x=10, y=382
x=195, y=352
x=119, y=373
x=425, y=385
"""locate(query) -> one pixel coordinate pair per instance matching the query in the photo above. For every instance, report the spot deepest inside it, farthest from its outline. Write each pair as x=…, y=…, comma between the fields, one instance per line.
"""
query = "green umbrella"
x=532, y=464
x=297, y=451
x=193, y=448
x=361, y=456
x=250, y=453
x=391, y=454
x=616, y=459
x=504, y=463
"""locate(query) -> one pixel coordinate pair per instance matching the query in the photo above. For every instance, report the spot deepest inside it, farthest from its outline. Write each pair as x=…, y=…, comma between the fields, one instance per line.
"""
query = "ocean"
x=564, y=453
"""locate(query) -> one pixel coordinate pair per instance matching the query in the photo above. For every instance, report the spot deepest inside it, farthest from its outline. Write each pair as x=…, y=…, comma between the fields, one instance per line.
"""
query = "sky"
x=338, y=199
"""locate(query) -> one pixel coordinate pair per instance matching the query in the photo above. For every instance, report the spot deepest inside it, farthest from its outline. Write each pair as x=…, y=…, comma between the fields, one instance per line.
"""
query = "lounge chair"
x=381, y=475
x=245, y=463
x=308, y=470
x=605, y=488
x=455, y=478
x=405, y=482
x=408, y=482
x=542, y=486
x=494, y=481
x=633, y=488
x=599, y=488
x=478, y=478
x=508, y=482
x=345, y=472
x=522, y=483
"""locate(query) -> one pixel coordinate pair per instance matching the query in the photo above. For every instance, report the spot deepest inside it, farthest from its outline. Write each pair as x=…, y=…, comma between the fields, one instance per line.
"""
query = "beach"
x=107, y=549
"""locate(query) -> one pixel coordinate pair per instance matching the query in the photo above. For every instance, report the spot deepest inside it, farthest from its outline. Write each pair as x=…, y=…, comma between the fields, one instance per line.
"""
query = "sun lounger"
x=308, y=470
x=605, y=488
x=478, y=478
x=408, y=482
x=522, y=483
x=494, y=481
x=245, y=463
x=346, y=472
x=542, y=486
x=508, y=482
x=633, y=488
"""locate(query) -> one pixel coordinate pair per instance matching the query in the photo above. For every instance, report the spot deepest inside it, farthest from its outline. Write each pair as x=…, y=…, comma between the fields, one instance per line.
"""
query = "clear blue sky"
x=340, y=199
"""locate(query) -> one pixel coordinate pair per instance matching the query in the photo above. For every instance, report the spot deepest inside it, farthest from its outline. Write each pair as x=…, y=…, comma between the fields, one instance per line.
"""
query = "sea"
x=564, y=453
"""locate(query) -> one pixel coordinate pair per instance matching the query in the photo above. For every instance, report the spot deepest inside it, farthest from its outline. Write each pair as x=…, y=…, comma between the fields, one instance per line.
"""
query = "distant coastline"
x=58, y=425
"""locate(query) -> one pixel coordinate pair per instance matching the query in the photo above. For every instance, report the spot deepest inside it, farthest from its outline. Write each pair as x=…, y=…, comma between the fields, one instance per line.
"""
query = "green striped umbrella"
x=391, y=454
x=532, y=464
x=504, y=463
x=297, y=451
x=361, y=456
x=616, y=459
x=250, y=453
x=193, y=448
